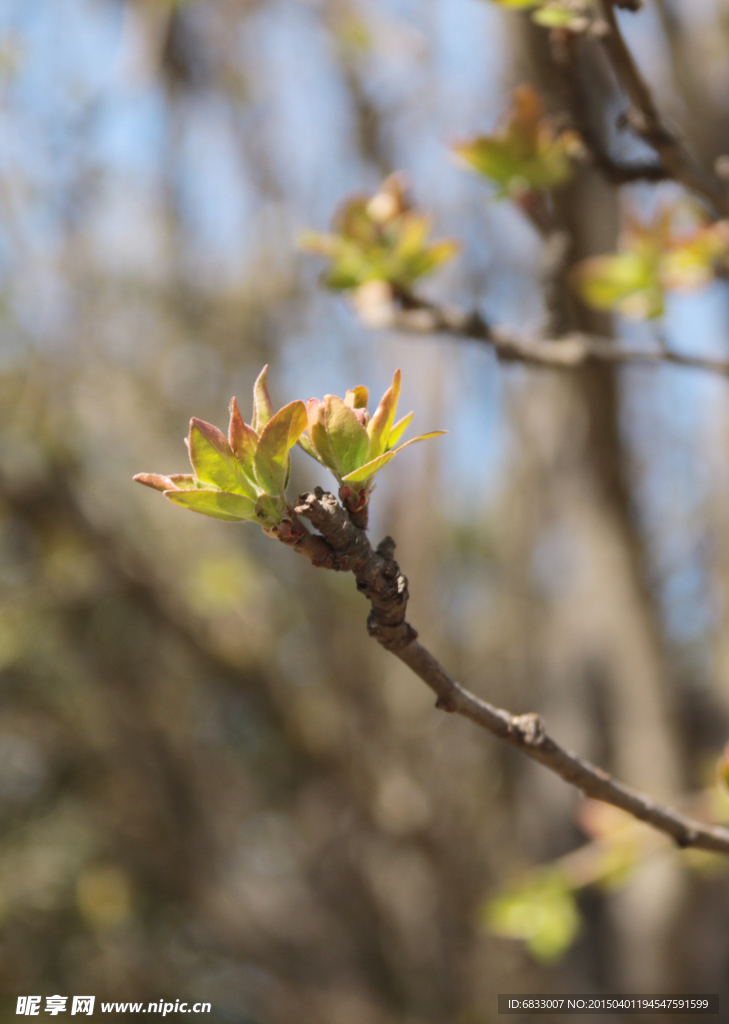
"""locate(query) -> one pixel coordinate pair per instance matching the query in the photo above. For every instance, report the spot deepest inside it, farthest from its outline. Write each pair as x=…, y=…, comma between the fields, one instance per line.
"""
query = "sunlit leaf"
x=369, y=468
x=375, y=465
x=234, y=508
x=357, y=397
x=319, y=439
x=213, y=460
x=420, y=437
x=277, y=437
x=242, y=439
x=383, y=418
x=399, y=429
x=348, y=435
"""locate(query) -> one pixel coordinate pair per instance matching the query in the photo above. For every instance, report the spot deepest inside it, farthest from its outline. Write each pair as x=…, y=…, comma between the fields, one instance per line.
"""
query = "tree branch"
x=379, y=578
x=416, y=315
x=644, y=118
x=565, y=52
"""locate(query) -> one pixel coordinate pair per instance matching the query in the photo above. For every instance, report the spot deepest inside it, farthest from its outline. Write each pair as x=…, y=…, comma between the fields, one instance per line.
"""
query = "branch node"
x=687, y=838
x=393, y=637
x=446, y=704
x=529, y=728
x=386, y=548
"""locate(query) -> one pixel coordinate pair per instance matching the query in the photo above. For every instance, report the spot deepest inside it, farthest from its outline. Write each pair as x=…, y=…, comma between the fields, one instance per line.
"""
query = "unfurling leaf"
x=242, y=439
x=213, y=460
x=378, y=238
x=383, y=418
x=337, y=434
x=526, y=152
x=262, y=408
x=357, y=398
x=280, y=433
x=399, y=429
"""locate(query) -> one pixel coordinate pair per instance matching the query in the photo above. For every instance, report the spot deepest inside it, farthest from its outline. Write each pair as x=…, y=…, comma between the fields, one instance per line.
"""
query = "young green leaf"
x=154, y=480
x=242, y=439
x=375, y=465
x=318, y=439
x=262, y=408
x=357, y=398
x=420, y=437
x=338, y=435
x=213, y=460
x=368, y=469
x=186, y=482
x=234, y=508
x=381, y=423
x=398, y=430
x=277, y=437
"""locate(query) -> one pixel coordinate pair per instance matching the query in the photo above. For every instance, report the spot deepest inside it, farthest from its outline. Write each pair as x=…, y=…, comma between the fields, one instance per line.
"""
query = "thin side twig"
x=415, y=315
x=644, y=118
x=379, y=578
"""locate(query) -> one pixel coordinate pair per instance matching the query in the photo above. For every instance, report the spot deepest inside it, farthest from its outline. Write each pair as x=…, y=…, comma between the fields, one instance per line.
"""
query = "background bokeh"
x=213, y=786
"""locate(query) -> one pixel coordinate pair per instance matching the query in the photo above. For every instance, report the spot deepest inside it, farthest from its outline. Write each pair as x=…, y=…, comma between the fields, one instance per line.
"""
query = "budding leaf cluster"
x=654, y=258
x=244, y=476
x=379, y=238
x=543, y=913
x=351, y=444
x=527, y=152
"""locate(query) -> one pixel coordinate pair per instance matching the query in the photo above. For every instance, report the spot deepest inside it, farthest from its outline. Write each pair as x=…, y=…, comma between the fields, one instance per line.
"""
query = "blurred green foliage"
x=379, y=238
